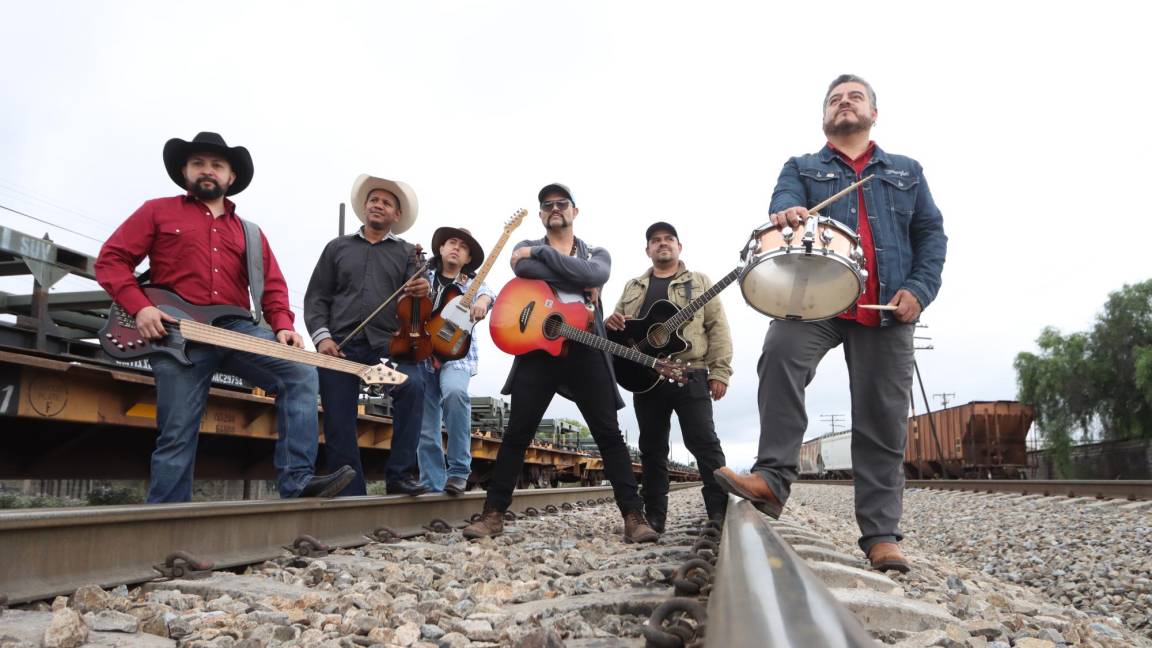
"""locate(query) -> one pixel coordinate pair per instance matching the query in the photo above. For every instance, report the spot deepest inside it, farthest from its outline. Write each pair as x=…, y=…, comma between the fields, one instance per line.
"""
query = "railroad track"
x=1129, y=489
x=49, y=552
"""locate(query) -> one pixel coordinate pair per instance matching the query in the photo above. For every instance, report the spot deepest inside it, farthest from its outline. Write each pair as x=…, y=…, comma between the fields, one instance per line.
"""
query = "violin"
x=412, y=342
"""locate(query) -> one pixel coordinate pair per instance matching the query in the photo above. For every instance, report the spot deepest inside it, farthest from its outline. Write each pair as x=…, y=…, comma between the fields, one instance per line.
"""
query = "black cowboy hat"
x=176, y=152
x=474, y=250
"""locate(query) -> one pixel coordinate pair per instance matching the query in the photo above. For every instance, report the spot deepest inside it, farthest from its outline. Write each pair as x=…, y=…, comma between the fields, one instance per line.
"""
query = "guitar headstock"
x=671, y=369
x=382, y=374
x=515, y=220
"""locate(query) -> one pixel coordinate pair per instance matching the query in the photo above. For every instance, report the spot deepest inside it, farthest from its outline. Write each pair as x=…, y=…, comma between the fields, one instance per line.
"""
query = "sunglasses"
x=557, y=204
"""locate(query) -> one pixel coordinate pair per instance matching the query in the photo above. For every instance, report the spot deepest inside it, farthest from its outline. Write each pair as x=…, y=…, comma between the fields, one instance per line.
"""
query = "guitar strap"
x=254, y=251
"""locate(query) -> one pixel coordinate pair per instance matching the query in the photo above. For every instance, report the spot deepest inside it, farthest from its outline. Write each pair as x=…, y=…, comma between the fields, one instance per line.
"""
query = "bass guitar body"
x=122, y=341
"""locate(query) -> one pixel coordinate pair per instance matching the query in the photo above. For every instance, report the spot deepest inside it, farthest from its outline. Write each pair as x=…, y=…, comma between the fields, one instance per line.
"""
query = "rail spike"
x=308, y=547
x=680, y=633
x=183, y=565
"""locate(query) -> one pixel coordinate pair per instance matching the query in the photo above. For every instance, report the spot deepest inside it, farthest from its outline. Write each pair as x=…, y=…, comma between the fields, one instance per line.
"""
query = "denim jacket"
x=907, y=228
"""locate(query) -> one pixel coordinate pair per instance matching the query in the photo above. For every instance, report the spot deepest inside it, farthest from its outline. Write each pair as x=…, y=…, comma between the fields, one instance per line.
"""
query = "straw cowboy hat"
x=177, y=151
x=366, y=184
x=474, y=250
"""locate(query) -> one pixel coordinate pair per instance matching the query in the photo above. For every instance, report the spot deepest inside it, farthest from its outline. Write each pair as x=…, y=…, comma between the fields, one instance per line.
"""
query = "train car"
x=977, y=440
x=827, y=457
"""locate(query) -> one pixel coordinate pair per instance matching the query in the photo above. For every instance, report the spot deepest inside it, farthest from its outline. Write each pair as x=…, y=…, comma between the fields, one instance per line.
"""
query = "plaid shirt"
x=471, y=361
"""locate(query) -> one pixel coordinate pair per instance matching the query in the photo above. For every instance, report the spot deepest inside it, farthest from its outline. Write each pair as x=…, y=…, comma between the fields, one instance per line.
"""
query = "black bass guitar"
x=659, y=333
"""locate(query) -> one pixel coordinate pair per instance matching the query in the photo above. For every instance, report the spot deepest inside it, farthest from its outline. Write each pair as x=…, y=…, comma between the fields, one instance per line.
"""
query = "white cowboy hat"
x=365, y=184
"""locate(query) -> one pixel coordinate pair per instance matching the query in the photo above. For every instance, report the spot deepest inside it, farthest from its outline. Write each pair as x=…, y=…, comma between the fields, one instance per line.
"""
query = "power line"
x=41, y=220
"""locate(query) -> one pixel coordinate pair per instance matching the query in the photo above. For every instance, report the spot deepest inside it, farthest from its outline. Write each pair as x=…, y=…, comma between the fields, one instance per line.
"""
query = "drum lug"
x=787, y=233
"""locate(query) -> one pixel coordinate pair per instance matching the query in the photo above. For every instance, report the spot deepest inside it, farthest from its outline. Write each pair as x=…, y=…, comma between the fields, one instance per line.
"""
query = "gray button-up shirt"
x=351, y=279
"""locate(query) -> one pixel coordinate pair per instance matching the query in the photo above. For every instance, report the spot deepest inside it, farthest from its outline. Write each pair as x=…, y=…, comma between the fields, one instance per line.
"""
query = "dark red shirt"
x=198, y=256
x=871, y=293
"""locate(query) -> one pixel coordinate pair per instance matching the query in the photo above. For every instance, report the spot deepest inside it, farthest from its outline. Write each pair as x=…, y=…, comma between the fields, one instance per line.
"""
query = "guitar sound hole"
x=552, y=325
x=657, y=336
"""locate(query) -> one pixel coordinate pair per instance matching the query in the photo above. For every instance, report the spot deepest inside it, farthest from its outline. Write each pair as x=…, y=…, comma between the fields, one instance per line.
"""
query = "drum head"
x=800, y=286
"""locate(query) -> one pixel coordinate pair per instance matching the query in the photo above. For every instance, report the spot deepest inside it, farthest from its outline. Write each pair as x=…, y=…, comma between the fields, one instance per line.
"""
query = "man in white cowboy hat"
x=456, y=256
x=354, y=275
x=196, y=247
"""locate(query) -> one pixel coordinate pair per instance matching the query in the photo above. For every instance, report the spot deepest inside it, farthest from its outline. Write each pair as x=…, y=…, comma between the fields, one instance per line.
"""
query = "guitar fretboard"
x=597, y=342
x=208, y=334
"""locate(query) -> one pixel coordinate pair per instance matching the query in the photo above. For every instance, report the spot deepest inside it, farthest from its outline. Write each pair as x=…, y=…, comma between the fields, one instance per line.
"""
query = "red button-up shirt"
x=198, y=256
x=871, y=293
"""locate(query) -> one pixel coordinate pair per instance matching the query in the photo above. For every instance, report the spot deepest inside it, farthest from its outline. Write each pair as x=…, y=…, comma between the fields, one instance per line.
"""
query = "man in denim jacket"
x=902, y=237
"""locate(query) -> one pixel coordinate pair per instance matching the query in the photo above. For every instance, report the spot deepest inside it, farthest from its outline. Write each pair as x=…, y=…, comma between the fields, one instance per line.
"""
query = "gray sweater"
x=589, y=268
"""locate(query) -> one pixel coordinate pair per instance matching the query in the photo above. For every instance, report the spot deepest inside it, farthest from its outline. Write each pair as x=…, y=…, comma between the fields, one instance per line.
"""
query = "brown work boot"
x=886, y=556
x=750, y=487
x=636, y=528
x=490, y=524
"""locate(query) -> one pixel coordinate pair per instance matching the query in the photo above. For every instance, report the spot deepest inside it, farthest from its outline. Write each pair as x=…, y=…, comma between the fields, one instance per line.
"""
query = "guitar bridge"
x=525, y=315
x=447, y=331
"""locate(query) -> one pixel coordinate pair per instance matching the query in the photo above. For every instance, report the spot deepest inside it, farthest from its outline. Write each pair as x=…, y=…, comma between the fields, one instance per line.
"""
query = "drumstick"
x=840, y=194
x=887, y=307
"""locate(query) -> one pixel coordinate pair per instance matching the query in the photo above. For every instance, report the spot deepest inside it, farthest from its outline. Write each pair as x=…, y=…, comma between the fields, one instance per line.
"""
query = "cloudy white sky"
x=1029, y=118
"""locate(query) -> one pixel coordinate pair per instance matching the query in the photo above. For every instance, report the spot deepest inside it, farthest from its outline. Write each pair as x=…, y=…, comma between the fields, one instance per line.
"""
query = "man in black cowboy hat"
x=457, y=255
x=354, y=274
x=196, y=247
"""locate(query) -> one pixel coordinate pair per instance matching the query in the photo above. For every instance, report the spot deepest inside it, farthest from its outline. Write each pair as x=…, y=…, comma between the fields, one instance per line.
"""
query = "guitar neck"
x=470, y=294
x=197, y=332
x=686, y=313
x=603, y=344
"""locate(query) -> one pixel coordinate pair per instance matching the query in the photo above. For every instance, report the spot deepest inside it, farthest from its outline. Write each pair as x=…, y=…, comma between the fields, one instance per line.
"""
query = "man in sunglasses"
x=577, y=271
x=670, y=285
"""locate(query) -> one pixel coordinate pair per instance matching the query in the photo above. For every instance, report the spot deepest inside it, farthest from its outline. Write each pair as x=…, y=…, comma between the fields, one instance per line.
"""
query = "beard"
x=834, y=128
x=207, y=189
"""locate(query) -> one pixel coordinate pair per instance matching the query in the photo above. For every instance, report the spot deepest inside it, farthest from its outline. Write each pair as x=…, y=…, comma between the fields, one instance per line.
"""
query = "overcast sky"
x=1030, y=120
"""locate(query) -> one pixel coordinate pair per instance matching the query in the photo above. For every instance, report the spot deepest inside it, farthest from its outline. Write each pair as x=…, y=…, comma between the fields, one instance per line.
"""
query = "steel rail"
x=48, y=552
x=764, y=595
x=1130, y=489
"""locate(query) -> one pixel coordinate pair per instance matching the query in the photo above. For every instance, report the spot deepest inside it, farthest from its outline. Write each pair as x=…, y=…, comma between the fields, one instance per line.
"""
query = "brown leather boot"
x=886, y=556
x=490, y=524
x=636, y=528
x=750, y=487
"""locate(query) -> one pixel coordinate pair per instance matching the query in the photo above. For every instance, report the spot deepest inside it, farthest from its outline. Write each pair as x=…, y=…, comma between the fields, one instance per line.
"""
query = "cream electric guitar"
x=122, y=341
x=451, y=327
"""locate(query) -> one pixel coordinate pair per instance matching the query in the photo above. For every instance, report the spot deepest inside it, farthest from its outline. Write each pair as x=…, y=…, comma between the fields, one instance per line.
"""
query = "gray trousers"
x=880, y=377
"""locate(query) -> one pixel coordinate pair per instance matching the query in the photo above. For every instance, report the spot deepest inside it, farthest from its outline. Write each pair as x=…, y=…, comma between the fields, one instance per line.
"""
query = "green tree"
x=1098, y=380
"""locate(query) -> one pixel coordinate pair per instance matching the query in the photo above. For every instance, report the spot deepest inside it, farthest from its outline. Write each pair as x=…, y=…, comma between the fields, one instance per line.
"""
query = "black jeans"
x=584, y=374
x=693, y=406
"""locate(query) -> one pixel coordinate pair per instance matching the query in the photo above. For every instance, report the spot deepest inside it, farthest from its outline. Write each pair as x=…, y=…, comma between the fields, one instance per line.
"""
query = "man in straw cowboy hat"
x=902, y=236
x=196, y=246
x=354, y=275
x=456, y=255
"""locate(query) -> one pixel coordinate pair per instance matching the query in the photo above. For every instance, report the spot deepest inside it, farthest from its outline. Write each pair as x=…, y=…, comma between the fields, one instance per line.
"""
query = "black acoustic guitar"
x=659, y=333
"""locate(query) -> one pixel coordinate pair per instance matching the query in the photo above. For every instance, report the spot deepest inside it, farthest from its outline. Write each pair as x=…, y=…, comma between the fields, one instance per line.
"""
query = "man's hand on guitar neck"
x=290, y=337
x=150, y=322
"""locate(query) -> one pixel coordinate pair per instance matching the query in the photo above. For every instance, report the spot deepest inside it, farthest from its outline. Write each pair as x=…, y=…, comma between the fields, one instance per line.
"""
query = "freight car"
x=977, y=440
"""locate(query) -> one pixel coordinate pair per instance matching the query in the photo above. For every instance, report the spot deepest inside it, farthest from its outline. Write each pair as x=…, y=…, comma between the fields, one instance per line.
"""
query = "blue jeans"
x=446, y=397
x=340, y=393
x=182, y=392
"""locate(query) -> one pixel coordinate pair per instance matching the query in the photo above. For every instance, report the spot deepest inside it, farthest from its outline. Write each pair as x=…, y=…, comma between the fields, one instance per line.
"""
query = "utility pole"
x=833, y=420
x=944, y=398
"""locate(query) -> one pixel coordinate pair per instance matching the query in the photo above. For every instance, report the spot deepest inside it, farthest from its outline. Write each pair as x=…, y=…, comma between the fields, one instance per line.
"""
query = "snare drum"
x=809, y=274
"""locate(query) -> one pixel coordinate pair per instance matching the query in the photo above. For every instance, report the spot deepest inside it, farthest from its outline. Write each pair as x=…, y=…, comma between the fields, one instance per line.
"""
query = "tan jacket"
x=709, y=340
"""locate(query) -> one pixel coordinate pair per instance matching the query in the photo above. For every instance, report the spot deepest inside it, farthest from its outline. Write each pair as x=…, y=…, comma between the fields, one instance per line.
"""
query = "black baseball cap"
x=660, y=226
x=555, y=187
